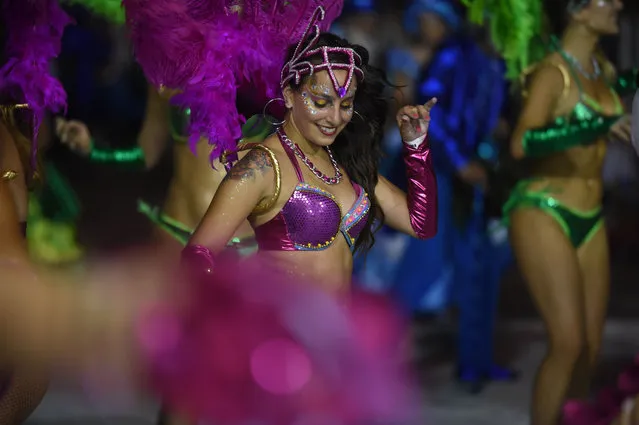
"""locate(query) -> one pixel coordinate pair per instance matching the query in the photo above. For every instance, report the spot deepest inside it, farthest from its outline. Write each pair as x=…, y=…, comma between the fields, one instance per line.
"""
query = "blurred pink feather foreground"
x=247, y=345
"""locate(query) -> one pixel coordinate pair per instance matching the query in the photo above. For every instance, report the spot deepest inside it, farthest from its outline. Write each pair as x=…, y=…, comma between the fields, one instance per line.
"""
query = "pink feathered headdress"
x=34, y=33
x=209, y=48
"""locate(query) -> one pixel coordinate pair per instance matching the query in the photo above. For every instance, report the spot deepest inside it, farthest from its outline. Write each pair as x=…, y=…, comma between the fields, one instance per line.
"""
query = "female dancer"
x=45, y=324
x=340, y=105
x=306, y=219
x=572, y=107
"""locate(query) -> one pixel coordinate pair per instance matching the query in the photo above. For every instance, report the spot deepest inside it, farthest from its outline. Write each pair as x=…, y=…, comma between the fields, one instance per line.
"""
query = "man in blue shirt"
x=462, y=265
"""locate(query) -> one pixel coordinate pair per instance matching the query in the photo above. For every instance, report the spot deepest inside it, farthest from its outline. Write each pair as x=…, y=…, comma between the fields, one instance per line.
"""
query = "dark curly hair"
x=358, y=147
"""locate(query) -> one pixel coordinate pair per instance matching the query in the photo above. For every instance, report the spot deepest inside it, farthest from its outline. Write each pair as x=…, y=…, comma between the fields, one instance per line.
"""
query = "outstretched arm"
x=414, y=213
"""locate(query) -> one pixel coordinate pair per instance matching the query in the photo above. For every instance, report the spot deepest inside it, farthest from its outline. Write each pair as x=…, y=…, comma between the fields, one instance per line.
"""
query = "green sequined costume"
x=55, y=208
x=586, y=124
x=53, y=211
x=257, y=128
x=519, y=32
x=579, y=226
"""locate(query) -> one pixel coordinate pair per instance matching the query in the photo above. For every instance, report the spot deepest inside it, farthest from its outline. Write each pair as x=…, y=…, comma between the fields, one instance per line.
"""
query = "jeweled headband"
x=300, y=65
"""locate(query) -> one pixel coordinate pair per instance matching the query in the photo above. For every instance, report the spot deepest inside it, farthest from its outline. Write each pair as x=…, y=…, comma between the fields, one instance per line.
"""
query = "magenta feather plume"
x=249, y=345
x=34, y=34
x=208, y=50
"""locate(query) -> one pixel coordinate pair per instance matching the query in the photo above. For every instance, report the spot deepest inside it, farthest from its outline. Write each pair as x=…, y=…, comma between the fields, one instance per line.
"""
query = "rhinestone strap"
x=298, y=152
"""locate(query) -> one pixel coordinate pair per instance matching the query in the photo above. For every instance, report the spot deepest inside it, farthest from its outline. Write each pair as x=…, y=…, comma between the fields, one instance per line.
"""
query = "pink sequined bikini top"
x=311, y=219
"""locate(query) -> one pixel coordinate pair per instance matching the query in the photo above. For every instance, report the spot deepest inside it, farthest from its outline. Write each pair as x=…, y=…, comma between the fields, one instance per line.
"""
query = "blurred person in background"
x=27, y=91
x=462, y=265
x=101, y=86
x=194, y=180
x=427, y=23
x=361, y=23
x=54, y=207
x=54, y=210
x=572, y=109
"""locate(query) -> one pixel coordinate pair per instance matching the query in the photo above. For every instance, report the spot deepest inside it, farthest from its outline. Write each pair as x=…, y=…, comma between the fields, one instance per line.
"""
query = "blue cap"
x=442, y=8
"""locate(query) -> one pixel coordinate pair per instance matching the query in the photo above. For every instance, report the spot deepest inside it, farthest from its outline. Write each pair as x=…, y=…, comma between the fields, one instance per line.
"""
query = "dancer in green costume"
x=54, y=208
x=53, y=213
x=194, y=182
x=572, y=108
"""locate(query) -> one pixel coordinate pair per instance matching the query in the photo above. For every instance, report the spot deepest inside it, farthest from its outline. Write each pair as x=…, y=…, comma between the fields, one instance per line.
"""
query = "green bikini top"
x=587, y=108
x=584, y=125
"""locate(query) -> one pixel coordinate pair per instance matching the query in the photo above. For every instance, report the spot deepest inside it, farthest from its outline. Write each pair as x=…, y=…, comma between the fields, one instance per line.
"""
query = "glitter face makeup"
x=319, y=112
x=319, y=98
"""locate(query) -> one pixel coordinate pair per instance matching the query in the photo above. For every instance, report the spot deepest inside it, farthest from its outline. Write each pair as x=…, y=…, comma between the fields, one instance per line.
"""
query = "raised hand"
x=413, y=121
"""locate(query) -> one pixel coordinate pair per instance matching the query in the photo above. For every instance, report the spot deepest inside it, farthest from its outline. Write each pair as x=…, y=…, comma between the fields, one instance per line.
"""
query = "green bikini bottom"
x=182, y=233
x=579, y=226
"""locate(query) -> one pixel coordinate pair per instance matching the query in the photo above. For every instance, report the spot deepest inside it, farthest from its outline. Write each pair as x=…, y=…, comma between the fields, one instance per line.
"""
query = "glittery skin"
x=320, y=89
x=311, y=219
x=308, y=103
x=422, y=190
x=323, y=93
